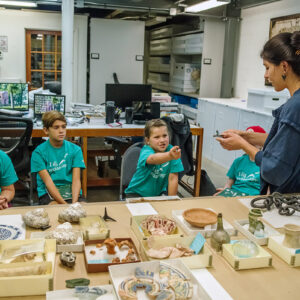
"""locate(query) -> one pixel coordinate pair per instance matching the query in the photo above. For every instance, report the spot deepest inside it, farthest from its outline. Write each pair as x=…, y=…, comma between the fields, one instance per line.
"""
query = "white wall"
x=13, y=64
x=254, y=32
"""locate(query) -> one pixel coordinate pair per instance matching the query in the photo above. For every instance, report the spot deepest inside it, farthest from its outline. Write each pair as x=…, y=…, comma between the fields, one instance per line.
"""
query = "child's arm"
x=160, y=158
x=7, y=194
x=76, y=184
x=51, y=187
x=228, y=185
x=173, y=184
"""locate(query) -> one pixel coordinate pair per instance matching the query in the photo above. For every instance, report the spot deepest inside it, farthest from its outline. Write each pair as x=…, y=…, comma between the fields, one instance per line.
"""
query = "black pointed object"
x=106, y=217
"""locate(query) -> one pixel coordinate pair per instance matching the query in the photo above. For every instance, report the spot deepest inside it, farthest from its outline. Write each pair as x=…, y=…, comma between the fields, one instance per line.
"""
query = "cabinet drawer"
x=160, y=33
x=158, y=79
x=159, y=64
x=160, y=47
x=189, y=44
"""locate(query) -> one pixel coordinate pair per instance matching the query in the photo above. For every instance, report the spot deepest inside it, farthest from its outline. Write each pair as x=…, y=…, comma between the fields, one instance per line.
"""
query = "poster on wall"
x=289, y=23
x=3, y=43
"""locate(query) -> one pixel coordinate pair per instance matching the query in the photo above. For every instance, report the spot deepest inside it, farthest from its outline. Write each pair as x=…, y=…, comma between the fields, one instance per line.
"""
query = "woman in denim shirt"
x=279, y=160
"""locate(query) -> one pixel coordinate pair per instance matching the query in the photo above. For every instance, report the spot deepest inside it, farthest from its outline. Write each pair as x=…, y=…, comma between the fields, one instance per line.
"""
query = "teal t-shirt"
x=59, y=162
x=152, y=180
x=246, y=175
x=8, y=174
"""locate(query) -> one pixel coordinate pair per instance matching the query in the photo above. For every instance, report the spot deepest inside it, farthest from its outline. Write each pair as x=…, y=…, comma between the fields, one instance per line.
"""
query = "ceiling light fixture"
x=18, y=3
x=205, y=5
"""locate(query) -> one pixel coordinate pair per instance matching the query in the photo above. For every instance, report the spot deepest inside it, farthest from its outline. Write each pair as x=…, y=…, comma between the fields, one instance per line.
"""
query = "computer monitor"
x=125, y=94
x=14, y=96
x=44, y=102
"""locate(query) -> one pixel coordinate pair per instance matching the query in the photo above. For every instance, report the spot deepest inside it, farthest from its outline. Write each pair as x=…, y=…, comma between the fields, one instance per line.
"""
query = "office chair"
x=128, y=166
x=15, y=134
x=53, y=86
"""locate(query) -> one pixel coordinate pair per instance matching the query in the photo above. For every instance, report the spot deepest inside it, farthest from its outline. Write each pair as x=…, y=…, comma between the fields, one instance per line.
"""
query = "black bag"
x=207, y=188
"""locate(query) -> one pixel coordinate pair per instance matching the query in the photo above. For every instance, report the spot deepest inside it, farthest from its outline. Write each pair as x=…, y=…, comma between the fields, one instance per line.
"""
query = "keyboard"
x=12, y=113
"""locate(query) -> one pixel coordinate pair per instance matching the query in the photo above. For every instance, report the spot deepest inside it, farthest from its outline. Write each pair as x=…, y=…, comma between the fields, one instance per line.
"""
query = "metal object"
x=287, y=205
x=106, y=217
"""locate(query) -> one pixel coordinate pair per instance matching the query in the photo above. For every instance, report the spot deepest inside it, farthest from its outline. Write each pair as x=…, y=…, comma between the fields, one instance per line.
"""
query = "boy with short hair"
x=57, y=163
x=8, y=177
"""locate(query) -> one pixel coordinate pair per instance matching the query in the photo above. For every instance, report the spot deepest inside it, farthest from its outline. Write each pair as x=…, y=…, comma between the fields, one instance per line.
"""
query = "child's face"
x=159, y=139
x=57, y=132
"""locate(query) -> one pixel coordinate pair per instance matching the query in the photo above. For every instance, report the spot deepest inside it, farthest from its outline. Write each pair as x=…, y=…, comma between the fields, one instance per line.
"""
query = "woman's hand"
x=231, y=140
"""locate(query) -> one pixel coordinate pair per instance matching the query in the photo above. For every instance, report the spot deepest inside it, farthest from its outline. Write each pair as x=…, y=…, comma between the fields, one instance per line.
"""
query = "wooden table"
x=101, y=130
x=277, y=282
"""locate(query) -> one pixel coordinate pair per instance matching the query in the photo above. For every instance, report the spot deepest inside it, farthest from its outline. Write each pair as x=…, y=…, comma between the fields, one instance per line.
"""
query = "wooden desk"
x=277, y=282
x=89, y=130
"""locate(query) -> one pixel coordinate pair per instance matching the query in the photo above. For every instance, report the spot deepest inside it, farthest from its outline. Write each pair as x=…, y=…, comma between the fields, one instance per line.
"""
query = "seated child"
x=8, y=177
x=243, y=175
x=58, y=163
x=158, y=164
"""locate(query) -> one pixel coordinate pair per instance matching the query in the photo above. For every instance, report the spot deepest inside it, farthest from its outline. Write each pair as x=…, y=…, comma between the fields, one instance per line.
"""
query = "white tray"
x=121, y=272
x=150, y=199
x=206, y=231
x=78, y=247
x=69, y=294
x=243, y=225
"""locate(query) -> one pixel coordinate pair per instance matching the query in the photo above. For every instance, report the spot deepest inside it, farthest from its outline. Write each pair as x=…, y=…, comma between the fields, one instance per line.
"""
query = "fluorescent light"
x=18, y=3
x=205, y=5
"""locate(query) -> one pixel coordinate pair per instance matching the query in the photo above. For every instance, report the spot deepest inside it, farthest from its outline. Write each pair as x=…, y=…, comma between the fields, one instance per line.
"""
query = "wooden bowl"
x=200, y=217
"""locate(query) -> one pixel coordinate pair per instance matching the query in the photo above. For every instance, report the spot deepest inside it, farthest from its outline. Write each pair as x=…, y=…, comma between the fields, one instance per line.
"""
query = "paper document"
x=139, y=209
x=211, y=285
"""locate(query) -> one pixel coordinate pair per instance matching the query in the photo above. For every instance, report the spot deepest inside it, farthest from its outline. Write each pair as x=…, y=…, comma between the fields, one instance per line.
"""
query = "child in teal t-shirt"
x=158, y=164
x=243, y=175
x=8, y=177
x=57, y=162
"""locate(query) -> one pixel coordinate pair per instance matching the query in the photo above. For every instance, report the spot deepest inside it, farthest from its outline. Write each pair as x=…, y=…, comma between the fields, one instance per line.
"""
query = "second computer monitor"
x=44, y=103
x=125, y=94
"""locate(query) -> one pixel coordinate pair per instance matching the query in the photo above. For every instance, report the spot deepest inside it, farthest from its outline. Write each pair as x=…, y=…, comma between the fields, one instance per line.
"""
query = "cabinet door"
x=226, y=118
x=206, y=119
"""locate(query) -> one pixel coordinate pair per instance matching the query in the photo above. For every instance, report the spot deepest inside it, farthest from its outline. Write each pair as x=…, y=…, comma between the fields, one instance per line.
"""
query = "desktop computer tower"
x=155, y=110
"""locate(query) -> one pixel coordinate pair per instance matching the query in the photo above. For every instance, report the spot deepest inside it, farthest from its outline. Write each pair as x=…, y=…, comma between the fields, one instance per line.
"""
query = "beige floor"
x=216, y=173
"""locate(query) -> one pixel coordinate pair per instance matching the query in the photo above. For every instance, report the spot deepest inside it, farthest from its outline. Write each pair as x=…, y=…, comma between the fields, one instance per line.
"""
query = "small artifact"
x=37, y=218
x=86, y=293
x=28, y=270
x=116, y=260
x=106, y=217
x=24, y=257
x=158, y=225
x=110, y=245
x=125, y=243
x=219, y=236
x=292, y=236
x=99, y=245
x=72, y=213
x=9, y=232
x=93, y=252
x=71, y=283
x=170, y=252
x=63, y=234
x=68, y=259
x=200, y=217
x=254, y=223
x=245, y=249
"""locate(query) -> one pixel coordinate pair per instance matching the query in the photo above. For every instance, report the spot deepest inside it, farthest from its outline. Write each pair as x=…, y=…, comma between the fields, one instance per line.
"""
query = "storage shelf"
x=163, y=72
x=192, y=95
x=188, y=32
x=159, y=87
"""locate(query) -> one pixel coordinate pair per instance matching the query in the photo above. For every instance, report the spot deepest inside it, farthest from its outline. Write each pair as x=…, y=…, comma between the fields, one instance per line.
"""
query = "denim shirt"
x=279, y=160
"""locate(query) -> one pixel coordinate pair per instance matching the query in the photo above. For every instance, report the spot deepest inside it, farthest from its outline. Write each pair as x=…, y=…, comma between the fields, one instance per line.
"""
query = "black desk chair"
x=15, y=134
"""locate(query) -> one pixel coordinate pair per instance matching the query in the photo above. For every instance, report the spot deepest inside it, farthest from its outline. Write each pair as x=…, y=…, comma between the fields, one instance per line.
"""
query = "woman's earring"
x=283, y=77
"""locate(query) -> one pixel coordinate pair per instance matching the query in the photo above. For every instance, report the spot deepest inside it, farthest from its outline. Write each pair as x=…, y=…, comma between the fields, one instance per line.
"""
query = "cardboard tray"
x=135, y=224
x=285, y=253
x=78, y=247
x=201, y=260
x=121, y=272
x=262, y=260
x=206, y=231
x=243, y=225
x=87, y=222
x=152, y=199
x=103, y=266
x=69, y=294
x=30, y=284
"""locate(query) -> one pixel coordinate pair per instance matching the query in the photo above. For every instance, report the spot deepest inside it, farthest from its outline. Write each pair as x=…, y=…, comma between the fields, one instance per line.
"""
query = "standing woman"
x=279, y=160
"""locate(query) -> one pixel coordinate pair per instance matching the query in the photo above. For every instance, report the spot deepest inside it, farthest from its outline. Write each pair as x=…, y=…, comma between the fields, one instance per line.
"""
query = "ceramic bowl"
x=200, y=217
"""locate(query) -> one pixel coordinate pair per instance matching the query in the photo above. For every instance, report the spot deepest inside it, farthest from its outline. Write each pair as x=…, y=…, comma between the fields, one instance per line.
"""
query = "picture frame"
x=288, y=23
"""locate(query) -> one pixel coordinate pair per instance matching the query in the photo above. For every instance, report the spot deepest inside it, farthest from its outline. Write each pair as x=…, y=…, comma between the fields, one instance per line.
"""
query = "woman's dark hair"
x=284, y=46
